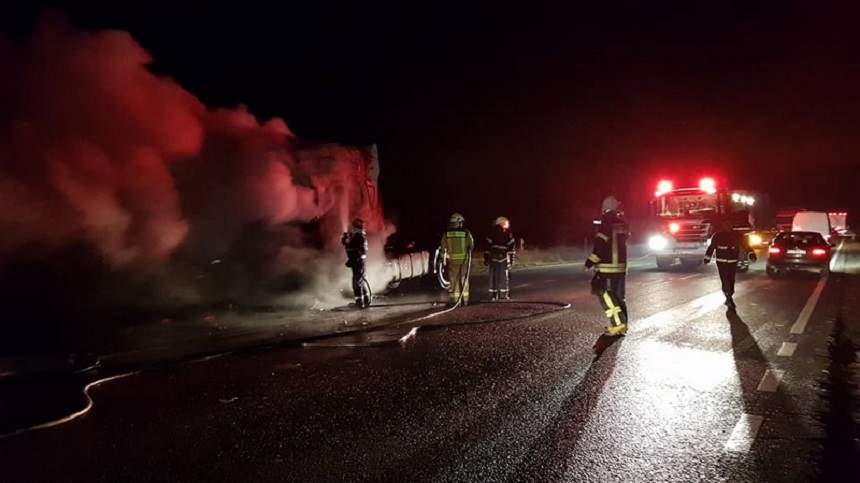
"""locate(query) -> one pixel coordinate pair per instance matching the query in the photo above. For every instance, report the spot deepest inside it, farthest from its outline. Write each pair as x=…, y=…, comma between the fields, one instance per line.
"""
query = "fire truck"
x=683, y=220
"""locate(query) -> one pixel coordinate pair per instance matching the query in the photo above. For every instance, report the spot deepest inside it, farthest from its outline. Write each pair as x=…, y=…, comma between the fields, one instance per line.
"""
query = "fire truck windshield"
x=686, y=204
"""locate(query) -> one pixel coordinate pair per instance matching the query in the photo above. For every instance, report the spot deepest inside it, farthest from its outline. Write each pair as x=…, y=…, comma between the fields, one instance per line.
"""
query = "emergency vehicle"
x=683, y=220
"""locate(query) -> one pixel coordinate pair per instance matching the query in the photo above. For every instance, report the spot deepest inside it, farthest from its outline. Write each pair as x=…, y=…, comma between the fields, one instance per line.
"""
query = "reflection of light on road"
x=677, y=396
x=666, y=367
x=685, y=312
x=709, y=303
x=845, y=259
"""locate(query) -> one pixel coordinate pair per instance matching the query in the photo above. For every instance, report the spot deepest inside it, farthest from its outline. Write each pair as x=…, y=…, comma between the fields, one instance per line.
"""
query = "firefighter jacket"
x=457, y=244
x=355, y=243
x=729, y=246
x=610, y=245
x=500, y=246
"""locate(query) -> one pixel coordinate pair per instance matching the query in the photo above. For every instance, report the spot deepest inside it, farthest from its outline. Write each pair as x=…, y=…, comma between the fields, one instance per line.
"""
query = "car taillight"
x=774, y=250
x=819, y=251
x=674, y=228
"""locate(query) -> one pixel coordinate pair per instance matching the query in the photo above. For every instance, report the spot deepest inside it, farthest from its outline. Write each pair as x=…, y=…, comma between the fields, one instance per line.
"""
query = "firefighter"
x=730, y=246
x=457, y=245
x=609, y=258
x=499, y=256
x=355, y=242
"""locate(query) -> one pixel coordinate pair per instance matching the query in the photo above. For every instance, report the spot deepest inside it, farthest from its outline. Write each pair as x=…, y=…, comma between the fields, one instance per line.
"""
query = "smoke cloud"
x=97, y=151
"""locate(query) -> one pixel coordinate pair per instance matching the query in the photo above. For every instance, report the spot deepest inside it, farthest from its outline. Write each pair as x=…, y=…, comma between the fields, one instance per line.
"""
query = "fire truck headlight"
x=657, y=242
x=755, y=239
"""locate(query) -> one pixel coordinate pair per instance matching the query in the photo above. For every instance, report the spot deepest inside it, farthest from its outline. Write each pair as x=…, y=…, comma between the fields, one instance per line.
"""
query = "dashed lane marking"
x=802, y=319
x=787, y=349
x=743, y=436
x=770, y=380
x=800, y=325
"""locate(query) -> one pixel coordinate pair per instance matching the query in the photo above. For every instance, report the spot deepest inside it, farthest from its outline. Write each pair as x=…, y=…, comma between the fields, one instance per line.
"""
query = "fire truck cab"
x=683, y=220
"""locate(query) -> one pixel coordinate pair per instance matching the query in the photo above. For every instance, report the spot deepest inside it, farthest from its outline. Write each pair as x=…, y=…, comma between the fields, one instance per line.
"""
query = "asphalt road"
x=693, y=393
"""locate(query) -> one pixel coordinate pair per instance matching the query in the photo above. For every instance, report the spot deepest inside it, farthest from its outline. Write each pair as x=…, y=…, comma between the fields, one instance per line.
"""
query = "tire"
x=743, y=268
x=772, y=271
x=664, y=263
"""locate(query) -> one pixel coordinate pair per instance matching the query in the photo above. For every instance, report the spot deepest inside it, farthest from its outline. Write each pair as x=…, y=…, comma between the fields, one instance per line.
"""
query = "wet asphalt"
x=503, y=392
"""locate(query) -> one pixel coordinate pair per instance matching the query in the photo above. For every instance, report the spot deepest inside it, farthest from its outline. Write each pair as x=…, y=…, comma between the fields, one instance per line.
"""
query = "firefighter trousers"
x=499, y=280
x=459, y=281
x=727, y=277
x=360, y=286
x=610, y=291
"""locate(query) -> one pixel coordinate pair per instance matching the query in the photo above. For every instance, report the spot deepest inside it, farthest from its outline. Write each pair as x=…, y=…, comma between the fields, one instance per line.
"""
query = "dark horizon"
x=537, y=115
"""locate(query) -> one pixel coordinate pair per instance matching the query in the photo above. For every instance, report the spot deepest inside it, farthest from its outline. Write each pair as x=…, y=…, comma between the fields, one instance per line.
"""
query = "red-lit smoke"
x=95, y=148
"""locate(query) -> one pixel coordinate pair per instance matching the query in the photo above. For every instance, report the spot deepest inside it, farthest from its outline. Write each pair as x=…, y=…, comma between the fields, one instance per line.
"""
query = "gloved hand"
x=706, y=260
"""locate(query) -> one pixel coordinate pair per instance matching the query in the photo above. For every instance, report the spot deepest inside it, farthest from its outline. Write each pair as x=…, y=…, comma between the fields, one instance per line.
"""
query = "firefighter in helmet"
x=609, y=258
x=355, y=242
x=457, y=245
x=499, y=256
x=730, y=246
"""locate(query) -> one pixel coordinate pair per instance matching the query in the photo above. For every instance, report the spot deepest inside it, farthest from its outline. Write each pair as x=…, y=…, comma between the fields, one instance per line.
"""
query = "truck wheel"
x=664, y=263
x=772, y=271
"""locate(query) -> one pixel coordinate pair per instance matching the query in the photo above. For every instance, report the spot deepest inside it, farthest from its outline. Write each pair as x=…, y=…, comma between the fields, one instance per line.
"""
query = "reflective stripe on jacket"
x=610, y=246
x=457, y=244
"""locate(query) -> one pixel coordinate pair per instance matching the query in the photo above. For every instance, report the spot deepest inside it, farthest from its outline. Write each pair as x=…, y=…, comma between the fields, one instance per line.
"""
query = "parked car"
x=798, y=250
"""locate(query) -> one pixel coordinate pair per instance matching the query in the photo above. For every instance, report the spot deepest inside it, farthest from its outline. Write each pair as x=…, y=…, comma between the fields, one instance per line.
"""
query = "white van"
x=814, y=221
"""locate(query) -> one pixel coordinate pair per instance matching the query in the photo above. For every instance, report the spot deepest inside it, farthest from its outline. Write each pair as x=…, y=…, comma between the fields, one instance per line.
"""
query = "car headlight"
x=755, y=239
x=657, y=242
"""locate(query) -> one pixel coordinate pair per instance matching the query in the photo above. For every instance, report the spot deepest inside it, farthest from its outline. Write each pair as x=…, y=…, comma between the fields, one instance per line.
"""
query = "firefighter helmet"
x=502, y=222
x=610, y=204
x=358, y=223
x=456, y=220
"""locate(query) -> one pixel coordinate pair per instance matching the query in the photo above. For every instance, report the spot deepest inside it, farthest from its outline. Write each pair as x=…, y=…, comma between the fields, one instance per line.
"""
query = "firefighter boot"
x=616, y=330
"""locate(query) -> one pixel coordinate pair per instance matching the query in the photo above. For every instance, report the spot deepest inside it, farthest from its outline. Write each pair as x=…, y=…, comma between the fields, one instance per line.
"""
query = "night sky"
x=532, y=111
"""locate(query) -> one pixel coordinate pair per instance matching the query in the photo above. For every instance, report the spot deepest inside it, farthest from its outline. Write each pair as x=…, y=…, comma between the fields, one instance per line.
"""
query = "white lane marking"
x=770, y=380
x=802, y=319
x=522, y=285
x=787, y=349
x=835, y=256
x=743, y=436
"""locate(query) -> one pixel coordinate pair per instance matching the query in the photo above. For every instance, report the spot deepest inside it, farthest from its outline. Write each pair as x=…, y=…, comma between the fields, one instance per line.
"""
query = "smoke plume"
x=97, y=151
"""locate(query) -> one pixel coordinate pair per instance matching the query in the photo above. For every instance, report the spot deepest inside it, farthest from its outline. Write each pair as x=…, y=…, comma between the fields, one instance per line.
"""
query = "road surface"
x=693, y=393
